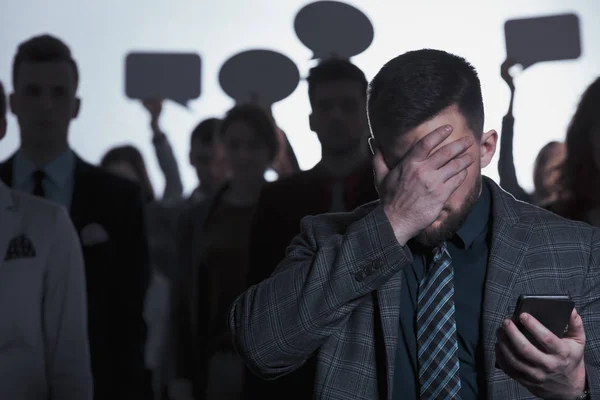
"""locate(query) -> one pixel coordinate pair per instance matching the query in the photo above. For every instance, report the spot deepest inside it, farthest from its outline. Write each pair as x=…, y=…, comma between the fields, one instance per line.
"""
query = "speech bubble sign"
x=173, y=76
x=262, y=76
x=539, y=39
x=332, y=29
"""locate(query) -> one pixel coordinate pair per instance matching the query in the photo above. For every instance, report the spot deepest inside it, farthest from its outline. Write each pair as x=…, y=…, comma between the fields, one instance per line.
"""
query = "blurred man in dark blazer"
x=341, y=181
x=44, y=347
x=106, y=211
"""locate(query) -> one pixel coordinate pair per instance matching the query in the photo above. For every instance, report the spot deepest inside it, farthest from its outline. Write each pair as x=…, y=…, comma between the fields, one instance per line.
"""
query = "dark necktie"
x=38, y=178
x=436, y=330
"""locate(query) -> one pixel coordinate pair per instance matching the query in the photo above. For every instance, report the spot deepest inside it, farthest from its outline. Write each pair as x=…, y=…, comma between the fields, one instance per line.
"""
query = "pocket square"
x=19, y=247
x=92, y=234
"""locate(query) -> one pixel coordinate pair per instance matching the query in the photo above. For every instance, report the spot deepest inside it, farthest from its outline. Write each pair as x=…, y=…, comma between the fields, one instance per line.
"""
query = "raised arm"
x=164, y=152
x=506, y=165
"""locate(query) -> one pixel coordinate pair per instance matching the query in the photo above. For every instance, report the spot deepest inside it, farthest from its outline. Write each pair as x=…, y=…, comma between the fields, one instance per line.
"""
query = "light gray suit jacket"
x=336, y=296
x=44, y=350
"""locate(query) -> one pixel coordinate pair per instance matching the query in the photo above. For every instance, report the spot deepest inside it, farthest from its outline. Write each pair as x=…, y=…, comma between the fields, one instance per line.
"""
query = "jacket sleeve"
x=590, y=315
x=279, y=323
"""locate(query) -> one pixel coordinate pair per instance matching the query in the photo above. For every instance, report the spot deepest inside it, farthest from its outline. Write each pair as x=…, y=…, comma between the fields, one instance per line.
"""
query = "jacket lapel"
x=510, y=241
x=6, y=171
x=388, y=302
x=9, y=216
x=80, y=201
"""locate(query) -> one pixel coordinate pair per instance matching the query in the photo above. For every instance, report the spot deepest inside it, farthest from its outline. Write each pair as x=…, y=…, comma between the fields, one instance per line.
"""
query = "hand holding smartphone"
x=552, y=311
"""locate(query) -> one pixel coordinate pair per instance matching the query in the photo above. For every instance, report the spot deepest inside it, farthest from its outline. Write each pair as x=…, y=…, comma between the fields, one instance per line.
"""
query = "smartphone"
x=553, y=311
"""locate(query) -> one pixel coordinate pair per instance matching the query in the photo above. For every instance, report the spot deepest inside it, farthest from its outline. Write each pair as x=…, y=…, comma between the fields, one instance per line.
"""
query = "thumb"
x=576, y=330
x=379, y=167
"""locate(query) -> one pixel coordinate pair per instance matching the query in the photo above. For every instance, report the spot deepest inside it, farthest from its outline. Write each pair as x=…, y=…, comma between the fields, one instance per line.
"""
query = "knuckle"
x=456, y=164
x=525, y=349
x=539, y=376
x=422, y=145
x=421, y=173
x=447, y=152
x=549, y=367
x=428, y=186
x=546, y=339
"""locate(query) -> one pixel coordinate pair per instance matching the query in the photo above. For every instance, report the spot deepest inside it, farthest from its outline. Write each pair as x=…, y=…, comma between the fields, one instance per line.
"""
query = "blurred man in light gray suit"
x=44, y=350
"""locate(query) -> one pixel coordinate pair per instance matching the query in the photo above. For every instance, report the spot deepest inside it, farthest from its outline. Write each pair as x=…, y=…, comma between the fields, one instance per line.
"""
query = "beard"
x=433, y=236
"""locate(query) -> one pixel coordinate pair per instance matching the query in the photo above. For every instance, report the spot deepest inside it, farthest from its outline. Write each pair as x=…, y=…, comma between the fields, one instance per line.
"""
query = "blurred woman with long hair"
x=579, y=186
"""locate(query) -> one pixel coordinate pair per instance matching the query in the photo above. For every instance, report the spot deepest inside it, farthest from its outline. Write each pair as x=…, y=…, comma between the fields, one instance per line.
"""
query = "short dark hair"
x=258, y=119
x=334, y=70
x=206, y=131
x=2, y=102
x=416, y=86
x=44, y=48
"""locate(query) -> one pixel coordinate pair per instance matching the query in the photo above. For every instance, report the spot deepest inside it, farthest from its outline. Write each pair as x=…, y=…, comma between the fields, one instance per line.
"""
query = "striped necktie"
x=436, y=330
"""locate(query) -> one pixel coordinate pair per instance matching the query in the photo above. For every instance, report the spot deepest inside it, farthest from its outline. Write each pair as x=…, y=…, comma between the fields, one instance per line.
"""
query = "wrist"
x=580, y=386
x=402, y=236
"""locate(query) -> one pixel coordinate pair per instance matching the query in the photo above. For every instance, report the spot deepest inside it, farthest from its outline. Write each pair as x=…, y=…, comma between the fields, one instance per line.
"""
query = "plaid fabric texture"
x=335, y=297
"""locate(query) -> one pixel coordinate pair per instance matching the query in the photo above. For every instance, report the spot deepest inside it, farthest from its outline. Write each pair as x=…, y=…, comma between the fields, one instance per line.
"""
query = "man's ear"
x=487, y=147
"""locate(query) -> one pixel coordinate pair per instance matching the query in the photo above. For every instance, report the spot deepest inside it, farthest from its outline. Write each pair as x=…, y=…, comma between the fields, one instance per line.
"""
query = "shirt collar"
x=58, y=170
x=477, y=220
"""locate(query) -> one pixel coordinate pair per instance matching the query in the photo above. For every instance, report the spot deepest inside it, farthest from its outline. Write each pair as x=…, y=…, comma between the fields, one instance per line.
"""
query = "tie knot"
x=439, y=252
x=38, y=176
x=38, y=188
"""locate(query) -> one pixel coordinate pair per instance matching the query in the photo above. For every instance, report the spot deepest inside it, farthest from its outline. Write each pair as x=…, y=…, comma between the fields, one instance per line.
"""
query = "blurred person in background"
x=341, y=181
x=546, y=171
x=213, y=257
x=579, y=196
x=127, y=162
x=107, y=212
x=205, y=156
x=43, y=290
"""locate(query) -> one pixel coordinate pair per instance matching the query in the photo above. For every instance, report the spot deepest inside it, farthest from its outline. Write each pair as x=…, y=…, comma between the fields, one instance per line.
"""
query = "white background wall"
x=100, y=33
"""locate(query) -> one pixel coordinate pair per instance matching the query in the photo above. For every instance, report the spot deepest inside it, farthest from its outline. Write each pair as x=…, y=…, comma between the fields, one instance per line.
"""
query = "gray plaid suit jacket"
x=335, y=296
